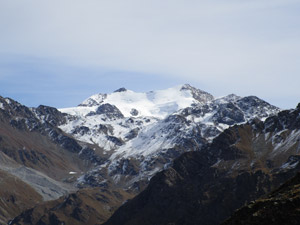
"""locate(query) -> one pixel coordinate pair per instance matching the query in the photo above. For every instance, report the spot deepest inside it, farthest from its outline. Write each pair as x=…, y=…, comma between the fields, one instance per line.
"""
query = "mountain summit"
x=141, y=133
x=158, y=104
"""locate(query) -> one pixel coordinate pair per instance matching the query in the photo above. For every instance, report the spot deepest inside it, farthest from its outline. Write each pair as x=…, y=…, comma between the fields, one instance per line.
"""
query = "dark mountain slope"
x=205, y=187
x=280, y=207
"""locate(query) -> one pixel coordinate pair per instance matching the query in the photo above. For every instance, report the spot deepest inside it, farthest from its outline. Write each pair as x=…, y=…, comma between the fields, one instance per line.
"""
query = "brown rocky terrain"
x=87, y=206
x=15, y=196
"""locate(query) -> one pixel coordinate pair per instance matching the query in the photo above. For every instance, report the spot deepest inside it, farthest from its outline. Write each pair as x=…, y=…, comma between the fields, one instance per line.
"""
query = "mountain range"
x=164, y=124
x=186, y=156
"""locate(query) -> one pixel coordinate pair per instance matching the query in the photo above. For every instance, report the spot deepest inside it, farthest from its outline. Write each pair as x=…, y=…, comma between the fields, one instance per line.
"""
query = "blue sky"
x=60, y=52
x=34, y=81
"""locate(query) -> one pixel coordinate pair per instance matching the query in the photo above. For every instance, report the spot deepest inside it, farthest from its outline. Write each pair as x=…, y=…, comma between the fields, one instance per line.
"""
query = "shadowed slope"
x=280, y=207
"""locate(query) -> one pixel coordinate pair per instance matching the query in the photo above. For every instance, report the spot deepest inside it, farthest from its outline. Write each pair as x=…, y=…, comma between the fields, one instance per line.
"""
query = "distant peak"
x=198, y=94
x=187, y=87
x=232, y=97
x=121, y=90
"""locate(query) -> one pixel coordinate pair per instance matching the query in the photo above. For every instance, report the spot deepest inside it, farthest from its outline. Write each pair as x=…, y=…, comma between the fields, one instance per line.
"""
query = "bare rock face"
x=50, y=115
x=228, y=114
x=121, y=90
x=134, y=112
x=199, y=95
x=109, y=110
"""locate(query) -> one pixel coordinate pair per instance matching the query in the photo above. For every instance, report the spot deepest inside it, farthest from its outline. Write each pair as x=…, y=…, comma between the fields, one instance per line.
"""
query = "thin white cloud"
x=235, y=43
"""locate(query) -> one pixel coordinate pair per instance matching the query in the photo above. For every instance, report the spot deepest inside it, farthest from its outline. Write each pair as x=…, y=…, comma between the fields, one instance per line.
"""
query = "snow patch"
x=7, y=101
x=286, y=143
x=72, y=172
x=289, y=166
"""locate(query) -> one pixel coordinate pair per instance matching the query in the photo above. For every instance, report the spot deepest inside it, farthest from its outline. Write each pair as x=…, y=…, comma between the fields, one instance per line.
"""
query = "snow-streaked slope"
x=201, y=120
x=151, y=129
x=137, y=111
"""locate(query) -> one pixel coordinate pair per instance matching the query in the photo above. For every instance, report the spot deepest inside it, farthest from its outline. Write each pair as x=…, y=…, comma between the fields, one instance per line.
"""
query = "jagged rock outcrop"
x=197, y=94
x=110, y=111
x=50, y=115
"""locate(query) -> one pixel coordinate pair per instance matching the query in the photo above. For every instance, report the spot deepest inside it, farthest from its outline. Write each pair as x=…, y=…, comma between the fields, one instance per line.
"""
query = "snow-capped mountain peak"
x=157, y=104
x=155, y=127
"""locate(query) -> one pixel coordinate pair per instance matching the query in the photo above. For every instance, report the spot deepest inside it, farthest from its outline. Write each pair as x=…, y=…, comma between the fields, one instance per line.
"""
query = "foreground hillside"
x=280, y=207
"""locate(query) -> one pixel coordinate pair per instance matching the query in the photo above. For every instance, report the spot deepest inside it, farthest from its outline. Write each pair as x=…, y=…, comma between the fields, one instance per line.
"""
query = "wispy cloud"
x=250, y=47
